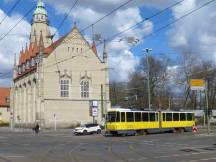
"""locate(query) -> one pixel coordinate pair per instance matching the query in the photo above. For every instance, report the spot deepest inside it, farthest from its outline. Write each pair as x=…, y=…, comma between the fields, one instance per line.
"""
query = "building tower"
x=40, y=24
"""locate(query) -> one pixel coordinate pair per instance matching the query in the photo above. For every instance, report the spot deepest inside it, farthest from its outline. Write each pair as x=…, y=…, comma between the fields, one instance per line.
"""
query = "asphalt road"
x=63, y=146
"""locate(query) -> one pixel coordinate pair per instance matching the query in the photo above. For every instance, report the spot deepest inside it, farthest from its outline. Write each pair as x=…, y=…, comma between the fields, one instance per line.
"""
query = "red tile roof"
x=4, y=93
x=33, y=49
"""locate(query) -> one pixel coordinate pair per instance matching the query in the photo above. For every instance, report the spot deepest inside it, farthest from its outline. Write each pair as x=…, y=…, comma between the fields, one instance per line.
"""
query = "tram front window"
x=111, y=116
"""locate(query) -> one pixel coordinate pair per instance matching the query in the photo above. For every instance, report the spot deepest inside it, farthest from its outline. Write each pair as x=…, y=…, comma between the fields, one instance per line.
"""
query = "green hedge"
x=3, y=124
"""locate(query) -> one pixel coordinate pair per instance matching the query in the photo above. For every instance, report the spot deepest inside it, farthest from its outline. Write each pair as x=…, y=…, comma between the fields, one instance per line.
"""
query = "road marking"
x=142, y=158
x=15, y=156
x=195, y=160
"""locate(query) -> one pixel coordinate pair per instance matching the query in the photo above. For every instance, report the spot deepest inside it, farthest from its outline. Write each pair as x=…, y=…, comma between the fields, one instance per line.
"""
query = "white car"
x=88, y=129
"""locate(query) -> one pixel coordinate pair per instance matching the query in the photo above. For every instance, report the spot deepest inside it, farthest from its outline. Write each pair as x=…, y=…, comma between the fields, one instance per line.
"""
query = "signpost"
x=93, y=109
x=201, y=85
x=197, y=84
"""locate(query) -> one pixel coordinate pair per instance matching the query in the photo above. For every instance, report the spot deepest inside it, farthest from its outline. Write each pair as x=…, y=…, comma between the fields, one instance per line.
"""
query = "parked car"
x=88, y=129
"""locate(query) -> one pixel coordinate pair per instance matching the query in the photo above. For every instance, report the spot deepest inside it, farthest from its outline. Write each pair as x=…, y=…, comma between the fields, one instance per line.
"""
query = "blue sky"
x=188, y=35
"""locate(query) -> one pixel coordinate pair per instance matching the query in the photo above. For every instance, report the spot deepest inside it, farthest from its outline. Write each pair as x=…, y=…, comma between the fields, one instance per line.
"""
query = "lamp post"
x=148, y=67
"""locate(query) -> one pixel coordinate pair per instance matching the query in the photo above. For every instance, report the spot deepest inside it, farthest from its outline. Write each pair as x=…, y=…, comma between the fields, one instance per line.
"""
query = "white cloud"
x=12, y=43
x=86, y=13
x=196, y=33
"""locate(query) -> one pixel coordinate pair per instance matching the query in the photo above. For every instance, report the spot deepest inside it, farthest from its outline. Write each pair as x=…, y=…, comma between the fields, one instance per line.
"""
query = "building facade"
x=4, y=105
x=56, y=81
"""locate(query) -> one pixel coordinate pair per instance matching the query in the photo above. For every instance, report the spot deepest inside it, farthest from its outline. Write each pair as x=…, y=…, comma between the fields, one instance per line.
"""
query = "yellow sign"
x=197, y=84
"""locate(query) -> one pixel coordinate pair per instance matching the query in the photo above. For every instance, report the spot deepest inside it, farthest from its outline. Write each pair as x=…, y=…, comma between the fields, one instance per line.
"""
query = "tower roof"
x=40, y=9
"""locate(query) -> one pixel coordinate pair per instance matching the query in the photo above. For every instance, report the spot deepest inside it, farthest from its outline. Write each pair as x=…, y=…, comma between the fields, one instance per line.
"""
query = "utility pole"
x=102, y=101
x=207, y=107
x=148, y=67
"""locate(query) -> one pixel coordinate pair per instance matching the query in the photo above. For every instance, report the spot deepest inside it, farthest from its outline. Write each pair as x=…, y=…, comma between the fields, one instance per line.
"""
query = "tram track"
x=111, y=150
x=4, y=159
x=49, y=154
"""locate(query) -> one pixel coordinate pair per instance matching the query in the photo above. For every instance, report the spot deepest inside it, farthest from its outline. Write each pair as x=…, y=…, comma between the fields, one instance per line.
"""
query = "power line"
x=97, y=21
x=10, y=11
x=20, y=20
x=189, y=13
x=180, y=18
x=108, y=14
x=146, y=19
x=66, y=16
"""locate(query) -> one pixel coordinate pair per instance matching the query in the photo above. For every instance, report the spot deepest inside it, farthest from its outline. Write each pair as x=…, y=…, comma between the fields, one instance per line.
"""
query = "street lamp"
x=148, y=67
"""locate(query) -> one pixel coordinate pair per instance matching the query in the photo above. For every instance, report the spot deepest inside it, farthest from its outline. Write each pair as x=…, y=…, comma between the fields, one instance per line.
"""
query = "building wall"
x=36, y=96
x=81, y=64
x=24, y=99
x=5, y=115
x=68, y=113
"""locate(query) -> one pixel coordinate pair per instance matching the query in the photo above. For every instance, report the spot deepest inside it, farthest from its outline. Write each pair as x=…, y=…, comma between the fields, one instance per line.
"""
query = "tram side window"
x=182, y=116
x=130, y=117
x=189, y=116
x=138, y=116
x=152, y=116
x=111, y=116
x=176, y=116
x=117, y=116
x=145, y=116
x=164, y=116
x=122, y=116
x=168, y=116
x=156, y=116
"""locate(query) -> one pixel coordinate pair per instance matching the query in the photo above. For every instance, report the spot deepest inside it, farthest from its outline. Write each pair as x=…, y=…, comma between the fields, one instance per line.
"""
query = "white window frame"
x=84, y=88
x=64, y=88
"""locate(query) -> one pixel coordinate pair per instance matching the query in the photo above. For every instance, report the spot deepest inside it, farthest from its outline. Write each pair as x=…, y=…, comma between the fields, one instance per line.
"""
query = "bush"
x=3, y=124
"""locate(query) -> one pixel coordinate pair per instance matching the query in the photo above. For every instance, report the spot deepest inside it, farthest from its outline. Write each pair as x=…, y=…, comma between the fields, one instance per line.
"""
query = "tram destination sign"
x=197, y=84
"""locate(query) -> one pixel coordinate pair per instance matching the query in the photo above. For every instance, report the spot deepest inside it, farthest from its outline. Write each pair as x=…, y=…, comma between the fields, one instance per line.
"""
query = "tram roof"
x=136, y=110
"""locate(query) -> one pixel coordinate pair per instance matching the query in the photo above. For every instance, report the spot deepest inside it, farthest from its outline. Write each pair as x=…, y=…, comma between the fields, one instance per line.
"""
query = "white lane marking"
x=195, y=160
x=15, y=156
x=142, y=158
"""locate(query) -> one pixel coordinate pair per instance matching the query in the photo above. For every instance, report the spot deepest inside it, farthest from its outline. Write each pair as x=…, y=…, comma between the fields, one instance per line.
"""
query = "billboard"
x=197, y=84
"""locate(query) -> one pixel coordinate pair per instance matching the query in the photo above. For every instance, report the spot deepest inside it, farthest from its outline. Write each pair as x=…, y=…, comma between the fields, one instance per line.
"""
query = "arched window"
x=23, y=67
x=27, y=64
x=32, y=61
x=19, y=69
x=64, y=87
x=84, y=88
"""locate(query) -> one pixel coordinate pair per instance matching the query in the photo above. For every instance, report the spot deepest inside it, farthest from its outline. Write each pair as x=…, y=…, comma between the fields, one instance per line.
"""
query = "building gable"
x=75, y=38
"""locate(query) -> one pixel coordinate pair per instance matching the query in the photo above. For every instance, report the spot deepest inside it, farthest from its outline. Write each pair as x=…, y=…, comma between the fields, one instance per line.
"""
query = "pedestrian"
x=33, y=130
x=37, y=128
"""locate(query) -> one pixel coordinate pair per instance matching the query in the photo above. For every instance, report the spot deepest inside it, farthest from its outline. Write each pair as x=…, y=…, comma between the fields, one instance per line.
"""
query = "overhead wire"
x=159, y=29
x=100, y=19
x=180, y=18
x=108, y=14
x=121, y=32
x=10, y=10
x=146, y=19
x=20, y=20
x=60, y=25
x=66, y=16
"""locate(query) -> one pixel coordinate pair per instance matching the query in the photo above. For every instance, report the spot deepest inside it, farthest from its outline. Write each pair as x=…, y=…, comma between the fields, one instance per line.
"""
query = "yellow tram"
x=130, y=122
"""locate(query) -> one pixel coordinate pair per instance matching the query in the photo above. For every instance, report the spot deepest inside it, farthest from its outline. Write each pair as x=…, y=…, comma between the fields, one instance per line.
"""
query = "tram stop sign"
x=197, y=84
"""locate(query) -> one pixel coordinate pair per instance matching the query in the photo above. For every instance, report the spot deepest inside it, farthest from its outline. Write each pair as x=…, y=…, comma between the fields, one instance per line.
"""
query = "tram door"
x=160, y=118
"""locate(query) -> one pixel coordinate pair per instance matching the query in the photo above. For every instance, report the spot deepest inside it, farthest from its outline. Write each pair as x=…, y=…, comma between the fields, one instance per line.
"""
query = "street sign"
x=94, y=111
x=93, y=108
x=197, y=84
